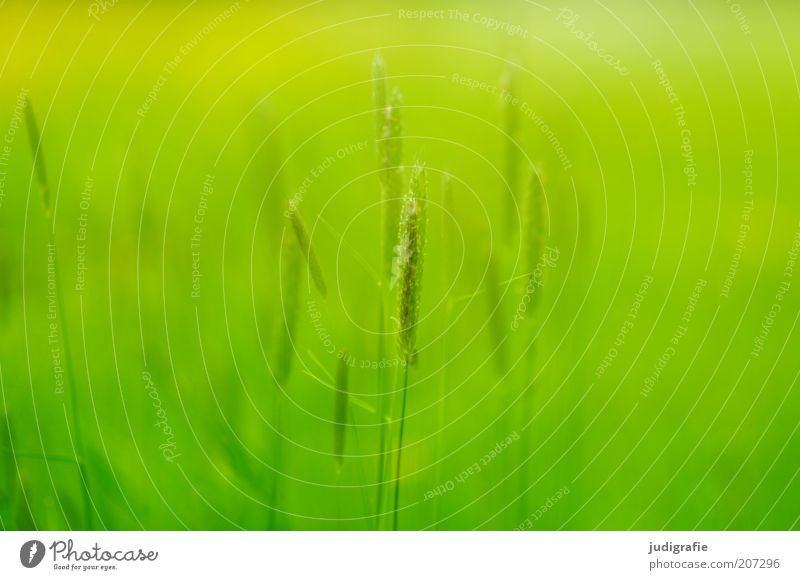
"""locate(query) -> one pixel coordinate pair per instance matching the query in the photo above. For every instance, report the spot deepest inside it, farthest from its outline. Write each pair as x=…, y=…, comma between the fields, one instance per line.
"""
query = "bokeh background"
x=184, y=384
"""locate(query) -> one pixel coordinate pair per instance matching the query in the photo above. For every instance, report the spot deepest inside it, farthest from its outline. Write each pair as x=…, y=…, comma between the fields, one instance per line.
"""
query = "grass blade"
x=80, y=445
x=389, y=145
x=35, y=138
x=497, y=320
x=290, y=286
x=303, y=239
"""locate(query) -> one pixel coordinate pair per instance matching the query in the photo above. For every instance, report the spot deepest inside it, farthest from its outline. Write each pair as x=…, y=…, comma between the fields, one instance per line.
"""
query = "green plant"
x=291, y=261
x=511, y=123
x=389, y=147
x=35, y=138
x=411, y=246
x=77, y=433
x=534, y=217
x=290, y=291
x=307, y=249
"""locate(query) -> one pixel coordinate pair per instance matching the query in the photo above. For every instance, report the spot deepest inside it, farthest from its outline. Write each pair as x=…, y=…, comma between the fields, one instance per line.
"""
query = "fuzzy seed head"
x=411, y=248
x=389, y=145
x=379, y=91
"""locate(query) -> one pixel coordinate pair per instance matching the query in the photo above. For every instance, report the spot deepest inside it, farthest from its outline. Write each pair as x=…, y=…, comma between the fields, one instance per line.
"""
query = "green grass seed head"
x=35, y=139
x=411, y=248
x=389, y=145
x=304, y=241
x=392, y=145
x=340, y=412
x=380, y=93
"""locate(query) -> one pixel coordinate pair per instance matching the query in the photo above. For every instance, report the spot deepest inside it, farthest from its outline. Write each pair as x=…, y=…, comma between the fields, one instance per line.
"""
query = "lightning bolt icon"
x=34, y=549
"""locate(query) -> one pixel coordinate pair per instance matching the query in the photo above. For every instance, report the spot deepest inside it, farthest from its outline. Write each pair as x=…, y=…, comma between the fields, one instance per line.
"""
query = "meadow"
x=358, y=266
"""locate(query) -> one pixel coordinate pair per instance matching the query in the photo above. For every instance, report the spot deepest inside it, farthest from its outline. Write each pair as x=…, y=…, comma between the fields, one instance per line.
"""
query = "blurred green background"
x=613, y=405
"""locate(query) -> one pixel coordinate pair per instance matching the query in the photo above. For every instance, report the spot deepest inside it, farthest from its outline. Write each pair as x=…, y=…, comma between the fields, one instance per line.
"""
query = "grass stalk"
x=396, y=512
x=534, y=216
x=412, y=238
x=388, y=143
x=447, y=235
x=285, y=329
x=41, y=175
x=384, y=428
x=291, y=259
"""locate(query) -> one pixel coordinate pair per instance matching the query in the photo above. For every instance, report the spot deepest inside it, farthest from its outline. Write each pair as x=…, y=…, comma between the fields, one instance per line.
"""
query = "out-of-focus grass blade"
x=35, y=138
x=286, y=324
x=301, y=232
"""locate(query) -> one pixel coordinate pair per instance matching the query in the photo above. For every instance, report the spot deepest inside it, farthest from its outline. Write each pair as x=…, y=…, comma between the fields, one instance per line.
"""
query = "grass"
x=307, y=249
x=534, y=218
x=264, y=108
x=389, y=145
x=389, y=148
x=411, y=247
x=35, y=139
x=411, y=242
x=534, y=222
x=76, y=435
x=291, y=260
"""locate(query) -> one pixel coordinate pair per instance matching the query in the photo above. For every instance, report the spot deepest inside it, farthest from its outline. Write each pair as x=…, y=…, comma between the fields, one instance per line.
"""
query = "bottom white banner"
x=354, y=555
